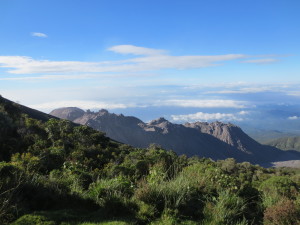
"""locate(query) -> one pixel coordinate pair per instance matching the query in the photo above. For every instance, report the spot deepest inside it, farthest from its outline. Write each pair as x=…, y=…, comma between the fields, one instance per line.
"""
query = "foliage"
x=33, y=219
x=283, y=212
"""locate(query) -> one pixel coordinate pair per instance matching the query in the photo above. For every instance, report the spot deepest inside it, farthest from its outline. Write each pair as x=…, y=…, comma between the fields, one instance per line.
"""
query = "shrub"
x=279, y=185
x=276, y=187
x=146, y=212
x=33, y=219
x=104, y=189
x=26, y=161
x=177, y=194
x=227, y=209
x=284, y=212
x=11, y=177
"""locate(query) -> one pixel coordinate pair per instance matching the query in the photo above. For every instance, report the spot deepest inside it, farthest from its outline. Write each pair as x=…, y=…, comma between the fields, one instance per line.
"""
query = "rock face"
x=228, y=133
x=214, y=140
x=70, y=113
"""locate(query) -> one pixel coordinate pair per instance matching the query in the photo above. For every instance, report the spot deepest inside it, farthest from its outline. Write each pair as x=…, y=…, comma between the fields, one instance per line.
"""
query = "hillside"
x=54, y=172
x=11, y=107
x=286, y=143
x=263, y=135
x=213, y=140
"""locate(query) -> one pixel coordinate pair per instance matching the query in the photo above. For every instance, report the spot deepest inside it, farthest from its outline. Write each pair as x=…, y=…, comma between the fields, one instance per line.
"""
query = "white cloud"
x=243, y=113
x=294, y=93
x=215, y=103
x=49, y=77
x=293, y=117
x=62, y=77
x=38, y=34
x=80, y=104
x=250, y=88
x=261, y=61
x=200, y=116
x=153, y=59
x=244, y=90
x=180, y=103
x=135, y=50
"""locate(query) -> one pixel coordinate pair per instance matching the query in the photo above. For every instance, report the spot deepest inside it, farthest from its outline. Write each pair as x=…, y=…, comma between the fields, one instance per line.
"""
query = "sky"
x=191, y=60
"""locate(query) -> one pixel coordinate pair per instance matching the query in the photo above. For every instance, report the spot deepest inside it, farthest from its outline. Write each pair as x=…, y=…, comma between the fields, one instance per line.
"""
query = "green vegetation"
x=55, y=172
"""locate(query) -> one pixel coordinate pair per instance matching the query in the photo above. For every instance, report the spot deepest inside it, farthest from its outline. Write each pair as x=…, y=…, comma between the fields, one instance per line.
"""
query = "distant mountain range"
x=264, y=136
x=286, y=143
x=215, y=140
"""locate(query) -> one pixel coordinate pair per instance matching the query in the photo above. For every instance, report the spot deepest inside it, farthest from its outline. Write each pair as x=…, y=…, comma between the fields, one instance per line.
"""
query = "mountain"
x=286, y=143
x=12, y=107
x=70, y=113
x=263, y=135
x=214, y=140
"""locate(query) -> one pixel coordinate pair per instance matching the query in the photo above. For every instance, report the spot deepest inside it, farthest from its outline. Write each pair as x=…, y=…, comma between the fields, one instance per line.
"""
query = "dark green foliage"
x=56, y=172
x=279, y=185
x=33, y=219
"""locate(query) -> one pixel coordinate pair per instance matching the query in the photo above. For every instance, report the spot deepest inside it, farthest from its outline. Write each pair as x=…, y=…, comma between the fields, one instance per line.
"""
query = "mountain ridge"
x=286, y=143
x=214, y=140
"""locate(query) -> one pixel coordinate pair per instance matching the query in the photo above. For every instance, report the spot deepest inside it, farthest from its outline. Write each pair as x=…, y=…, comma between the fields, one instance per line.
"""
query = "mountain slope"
x=263, y=135
x=12, y=107
x=214, y=140
x=286, y=143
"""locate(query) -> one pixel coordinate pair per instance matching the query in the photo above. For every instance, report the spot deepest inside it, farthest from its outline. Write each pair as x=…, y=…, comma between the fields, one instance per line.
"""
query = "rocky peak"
x=103, y=112
x=158, y=121
x=68, y=113
x=228, y=133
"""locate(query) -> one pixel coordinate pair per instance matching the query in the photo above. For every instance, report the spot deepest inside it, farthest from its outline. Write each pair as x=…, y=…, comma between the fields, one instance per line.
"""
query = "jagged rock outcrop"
x=229, y=133
x=215, y=140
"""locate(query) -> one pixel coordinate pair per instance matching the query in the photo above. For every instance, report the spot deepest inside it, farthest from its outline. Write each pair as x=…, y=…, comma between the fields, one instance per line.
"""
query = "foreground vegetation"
x=55, y=172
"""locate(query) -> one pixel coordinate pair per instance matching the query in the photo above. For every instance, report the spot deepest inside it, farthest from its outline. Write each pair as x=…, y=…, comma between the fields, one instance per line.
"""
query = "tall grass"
x=227, y=208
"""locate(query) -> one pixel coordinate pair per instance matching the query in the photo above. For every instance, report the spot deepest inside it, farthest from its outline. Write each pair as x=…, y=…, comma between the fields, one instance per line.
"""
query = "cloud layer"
x=135, y=50
x=261, y=61
x=148, y=60
x=293, y=117
x=213, y=103
x=80, y=104
x=201, y=116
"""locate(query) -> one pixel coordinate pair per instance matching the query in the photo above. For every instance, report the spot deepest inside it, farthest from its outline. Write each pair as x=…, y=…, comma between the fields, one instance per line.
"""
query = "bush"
x=279, y=185
x=104, y=189
x=276, y=187
x=146, y=212
x=11, y=177
x=227, y=209
x=284, y=212
x=177, y=194
x=33, y=219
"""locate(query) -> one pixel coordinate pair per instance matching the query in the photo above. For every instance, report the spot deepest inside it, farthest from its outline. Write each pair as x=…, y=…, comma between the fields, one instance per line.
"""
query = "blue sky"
x=185, y=60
